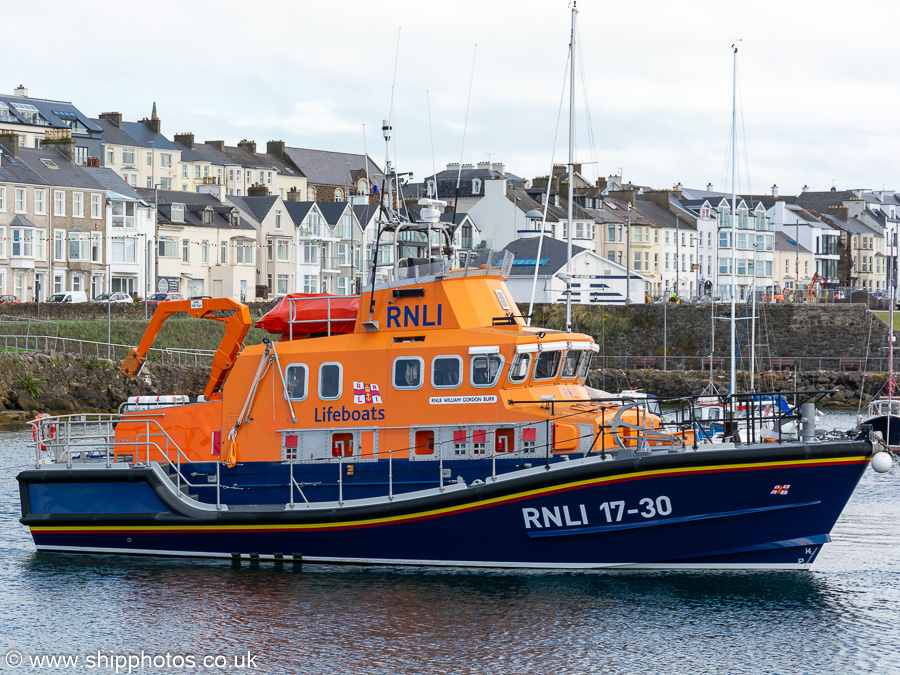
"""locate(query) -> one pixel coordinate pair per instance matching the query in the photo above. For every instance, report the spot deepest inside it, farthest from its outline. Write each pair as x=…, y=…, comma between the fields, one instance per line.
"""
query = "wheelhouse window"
x=486, y=370
x=585, y=366
x=446, y=372
x=296, y=375
x=518, y=371
x=546, y=365
x=570, y=364
x=408, y=372
x=330, y=381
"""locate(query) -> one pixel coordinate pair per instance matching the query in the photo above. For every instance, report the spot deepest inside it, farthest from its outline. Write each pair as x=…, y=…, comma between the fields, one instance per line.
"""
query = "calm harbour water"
x=842, y=616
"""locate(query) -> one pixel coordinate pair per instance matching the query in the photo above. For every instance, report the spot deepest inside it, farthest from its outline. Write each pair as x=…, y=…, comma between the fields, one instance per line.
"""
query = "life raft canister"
x=48, y=433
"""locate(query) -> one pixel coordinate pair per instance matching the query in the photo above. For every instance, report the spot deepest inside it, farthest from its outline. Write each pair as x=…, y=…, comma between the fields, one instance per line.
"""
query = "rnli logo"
x=364, y=394
x=780, y=489
x=413, y=317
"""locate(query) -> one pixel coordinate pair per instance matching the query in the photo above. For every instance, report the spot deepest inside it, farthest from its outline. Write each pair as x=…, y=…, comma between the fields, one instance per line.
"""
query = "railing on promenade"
x=102, y=350
x=872, y=364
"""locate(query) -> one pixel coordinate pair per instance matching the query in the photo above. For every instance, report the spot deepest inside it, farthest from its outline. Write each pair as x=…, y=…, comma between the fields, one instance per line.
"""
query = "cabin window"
x=570, y=364
x=342, y=444
x=296, y=376
x=479, y=441
x=585, y=366
x=529, y=439
x=460, y=442
x=486, y=370
x=518, y=371
x=502, y=299
x=330, y=381
x=546, y=365
x=446, y=372
x=408, y=372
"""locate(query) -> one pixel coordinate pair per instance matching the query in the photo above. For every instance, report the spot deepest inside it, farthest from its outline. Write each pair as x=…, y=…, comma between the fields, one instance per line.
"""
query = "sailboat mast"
x=571, y=173
x=731, y=384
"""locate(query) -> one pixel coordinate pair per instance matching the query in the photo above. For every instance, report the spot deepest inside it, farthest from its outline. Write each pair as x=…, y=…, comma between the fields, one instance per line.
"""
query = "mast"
x=731, y=383
x=571, y=174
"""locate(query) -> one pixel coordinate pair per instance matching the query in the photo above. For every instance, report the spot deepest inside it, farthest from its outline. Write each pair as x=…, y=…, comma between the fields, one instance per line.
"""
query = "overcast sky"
x=818, y=81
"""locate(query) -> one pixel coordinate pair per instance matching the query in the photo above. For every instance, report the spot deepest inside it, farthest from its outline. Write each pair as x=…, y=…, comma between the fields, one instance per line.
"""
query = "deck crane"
x=236, y=327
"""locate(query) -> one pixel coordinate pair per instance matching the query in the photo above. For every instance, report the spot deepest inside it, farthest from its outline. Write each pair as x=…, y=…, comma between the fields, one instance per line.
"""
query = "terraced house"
x=58, y=220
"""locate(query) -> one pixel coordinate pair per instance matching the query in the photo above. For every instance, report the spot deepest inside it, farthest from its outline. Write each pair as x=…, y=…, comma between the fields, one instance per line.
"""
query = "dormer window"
x=476, y=186
x=207, y=216
x=311, y=194
x=338, y=195
x=362, y=188
x=233, y=219
x=177, y=213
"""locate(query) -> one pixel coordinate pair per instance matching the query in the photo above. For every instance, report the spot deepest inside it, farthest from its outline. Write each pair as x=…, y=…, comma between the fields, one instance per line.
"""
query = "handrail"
x=48, y=343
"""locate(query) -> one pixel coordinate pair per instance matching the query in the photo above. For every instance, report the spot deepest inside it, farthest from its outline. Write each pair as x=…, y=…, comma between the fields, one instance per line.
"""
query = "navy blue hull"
x=769, y=506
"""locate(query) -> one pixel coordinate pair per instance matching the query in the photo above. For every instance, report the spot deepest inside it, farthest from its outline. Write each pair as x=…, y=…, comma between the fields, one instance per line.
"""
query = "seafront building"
x=107, y=204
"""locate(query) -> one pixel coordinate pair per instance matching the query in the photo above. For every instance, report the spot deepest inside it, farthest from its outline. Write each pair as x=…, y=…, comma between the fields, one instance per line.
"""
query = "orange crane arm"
x=236, y=327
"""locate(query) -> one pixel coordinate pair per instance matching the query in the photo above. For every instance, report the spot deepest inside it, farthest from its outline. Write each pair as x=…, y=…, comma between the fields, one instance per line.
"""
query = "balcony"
x=331, y=264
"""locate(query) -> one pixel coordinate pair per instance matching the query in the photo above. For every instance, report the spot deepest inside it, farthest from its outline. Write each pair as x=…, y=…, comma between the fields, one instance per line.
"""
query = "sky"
x=818, y=82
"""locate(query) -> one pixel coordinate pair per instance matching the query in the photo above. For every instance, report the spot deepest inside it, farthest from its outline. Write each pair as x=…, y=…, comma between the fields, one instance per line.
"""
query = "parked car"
x=68, y=296
x=8, y=298
x=165, y=297
x=114, y=297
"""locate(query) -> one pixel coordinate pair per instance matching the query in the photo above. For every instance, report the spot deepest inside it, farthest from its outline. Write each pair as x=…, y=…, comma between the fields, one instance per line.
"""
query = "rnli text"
x=412, y=316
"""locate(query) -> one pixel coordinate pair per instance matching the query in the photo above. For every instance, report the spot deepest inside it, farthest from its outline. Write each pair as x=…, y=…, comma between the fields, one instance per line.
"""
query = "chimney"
x=114, y=117
x=257, y=191
x=185, y=139
x=484, y=165
x=500, y=168
x=629, y=196
x=677, y=188
x=293, y=195
x=21, y=91
x=275, y=148
x=10, y=141
x=775, y=190
x=602, y=183
x=453, y=166
x=153, y=124
x=60, y=139
x=218, y=145
x=660, y=197
x=250, y=146
x=841, y=212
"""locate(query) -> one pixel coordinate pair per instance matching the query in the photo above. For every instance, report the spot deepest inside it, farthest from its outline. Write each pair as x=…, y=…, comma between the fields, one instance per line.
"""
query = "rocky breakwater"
x=68, y=383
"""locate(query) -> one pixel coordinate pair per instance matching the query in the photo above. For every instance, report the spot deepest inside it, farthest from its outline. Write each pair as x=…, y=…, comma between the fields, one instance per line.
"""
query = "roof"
x=332, y=211
x=785, y=242
x=112, y=181
x=133, y=134
x=65, y=174
x=553, y=255
x=325, y=167
x=659, y=216
x=248, y=160
x=298, y=210
x=820, y=201
x=58, y=113
x=195, y=203
x=258, y=206
x=365, y=212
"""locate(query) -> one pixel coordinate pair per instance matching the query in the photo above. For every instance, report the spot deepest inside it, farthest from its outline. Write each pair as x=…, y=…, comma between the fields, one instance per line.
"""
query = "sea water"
x=143, y=615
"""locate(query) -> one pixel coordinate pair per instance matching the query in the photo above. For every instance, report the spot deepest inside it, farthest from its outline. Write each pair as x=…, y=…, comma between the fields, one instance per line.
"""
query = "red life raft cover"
x=310, y=315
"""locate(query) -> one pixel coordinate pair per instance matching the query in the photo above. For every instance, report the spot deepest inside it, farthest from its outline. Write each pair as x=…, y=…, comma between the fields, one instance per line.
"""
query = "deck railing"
x=102, y=350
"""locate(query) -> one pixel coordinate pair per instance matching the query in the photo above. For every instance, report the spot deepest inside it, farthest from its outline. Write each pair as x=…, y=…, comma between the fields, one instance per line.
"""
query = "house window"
x=77, y=282
x=95, y=247
x=127, y=156
x=110, y=156
x=96, y=206
x=57, y=283
x=231, y=175
x=310, y=252
x=408, y=372
x=40, y=202
x=165, y=160
x=150, y=160
x=165, y=183
x=2, y=247
x=277, y=219
x=283, y=281
x=79, y=246
x=177, y=213
x=249, y=179
x=311, y=194
x=244, y=253
x=168, y=247
x=283, y=251
x=20, y=200
x=330, y=381
x=204, y=252
x=22, y=241
x=59, y=244
x=338, y=195
x=208, y=216
x=296, y=376
x=310, y=283
x=78, y=205
x=206, y=170
x=123, y=214
x=184, y=170
x=346, y=227
x=185, y=250
x=124, y=250
x=223, y=252
x=476, y=186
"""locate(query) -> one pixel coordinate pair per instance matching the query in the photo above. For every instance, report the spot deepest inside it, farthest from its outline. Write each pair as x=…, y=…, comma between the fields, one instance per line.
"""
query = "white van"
x=68, y=296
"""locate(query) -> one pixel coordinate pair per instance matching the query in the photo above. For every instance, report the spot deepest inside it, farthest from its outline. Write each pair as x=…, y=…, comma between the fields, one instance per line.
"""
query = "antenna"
x=463, y=146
